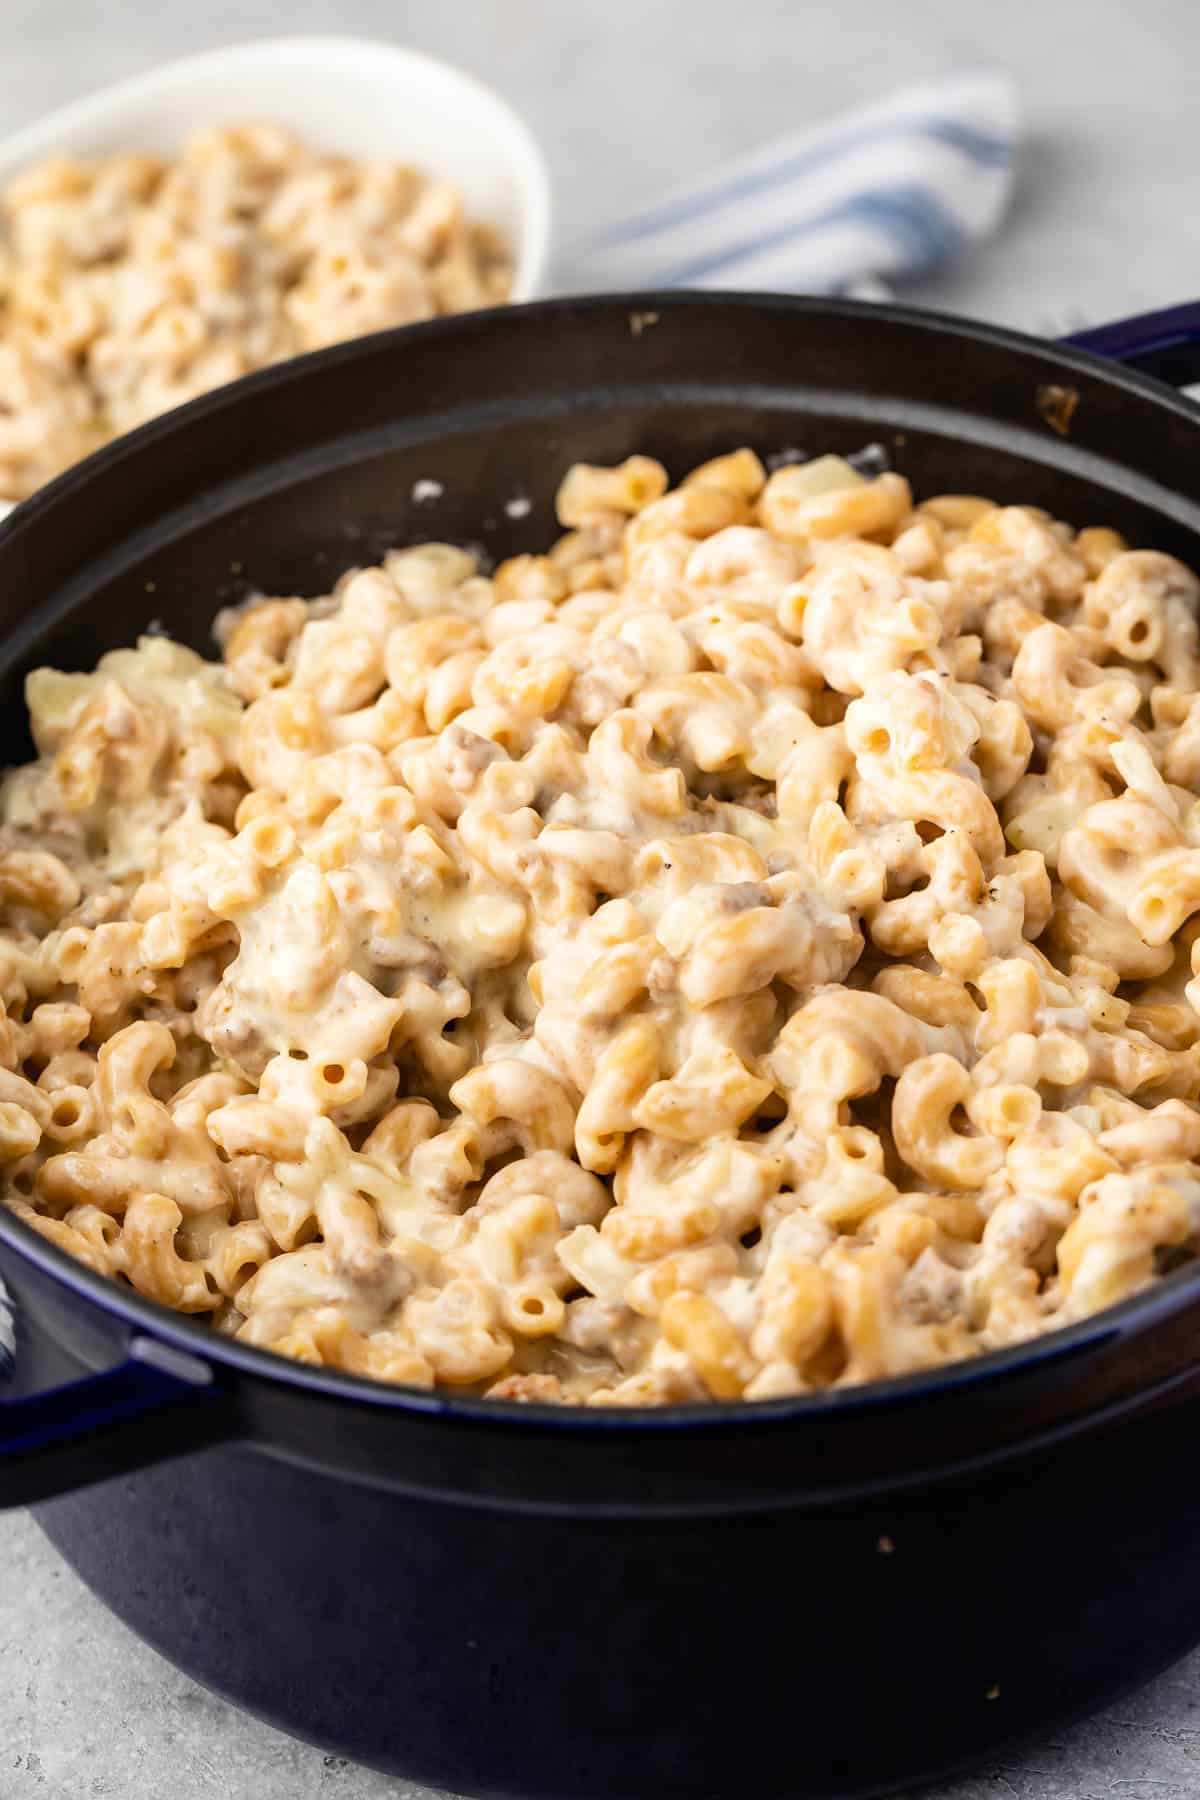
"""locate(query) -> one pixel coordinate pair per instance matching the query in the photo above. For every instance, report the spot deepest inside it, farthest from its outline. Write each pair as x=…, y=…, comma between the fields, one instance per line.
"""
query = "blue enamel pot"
x=836, y=1595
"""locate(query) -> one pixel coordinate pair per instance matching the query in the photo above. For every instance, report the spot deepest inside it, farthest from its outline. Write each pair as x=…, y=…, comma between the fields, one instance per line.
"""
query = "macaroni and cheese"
x=131, y=283
x=749, y=949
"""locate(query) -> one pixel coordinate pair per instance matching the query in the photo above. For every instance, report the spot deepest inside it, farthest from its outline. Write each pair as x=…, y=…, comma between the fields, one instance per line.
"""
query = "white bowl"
x=353, y=95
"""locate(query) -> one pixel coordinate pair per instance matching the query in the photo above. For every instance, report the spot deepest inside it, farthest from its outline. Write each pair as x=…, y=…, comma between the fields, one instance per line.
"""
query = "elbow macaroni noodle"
x=130, y=284
x=753, y=948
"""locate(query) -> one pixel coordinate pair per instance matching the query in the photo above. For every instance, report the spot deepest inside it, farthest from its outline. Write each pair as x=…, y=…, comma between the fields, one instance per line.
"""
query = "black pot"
x=835, y=1595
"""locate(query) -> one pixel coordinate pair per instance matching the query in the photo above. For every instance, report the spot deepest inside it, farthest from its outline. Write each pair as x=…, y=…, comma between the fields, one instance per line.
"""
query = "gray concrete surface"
x=626, y=97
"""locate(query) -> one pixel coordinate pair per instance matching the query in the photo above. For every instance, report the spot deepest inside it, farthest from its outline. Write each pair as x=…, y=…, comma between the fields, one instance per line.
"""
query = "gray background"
x=627, y=98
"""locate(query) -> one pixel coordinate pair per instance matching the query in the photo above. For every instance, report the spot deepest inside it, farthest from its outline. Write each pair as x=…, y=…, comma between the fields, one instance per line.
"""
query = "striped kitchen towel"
x=887, y=191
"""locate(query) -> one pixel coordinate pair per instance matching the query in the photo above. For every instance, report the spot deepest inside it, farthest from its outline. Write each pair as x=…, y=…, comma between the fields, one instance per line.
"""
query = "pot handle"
x=159, y=1402
x=1165, y=343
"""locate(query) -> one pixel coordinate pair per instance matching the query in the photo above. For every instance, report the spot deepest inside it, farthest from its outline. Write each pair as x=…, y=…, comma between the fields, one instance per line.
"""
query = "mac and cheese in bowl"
x=130, y=284
x=747, y=950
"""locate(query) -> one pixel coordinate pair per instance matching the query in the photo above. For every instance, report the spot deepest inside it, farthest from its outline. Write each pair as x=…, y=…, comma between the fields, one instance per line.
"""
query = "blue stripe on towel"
x=912, y=216
x=984, y=148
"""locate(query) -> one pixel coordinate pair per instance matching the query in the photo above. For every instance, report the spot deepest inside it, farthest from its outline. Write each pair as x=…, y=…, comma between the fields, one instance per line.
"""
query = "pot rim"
x=1128, y=1319
x=644, y=309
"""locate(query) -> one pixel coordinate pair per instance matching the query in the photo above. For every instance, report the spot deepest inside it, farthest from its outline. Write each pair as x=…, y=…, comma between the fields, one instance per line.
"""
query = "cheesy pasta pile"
x=747, y=950
x=130, y=284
